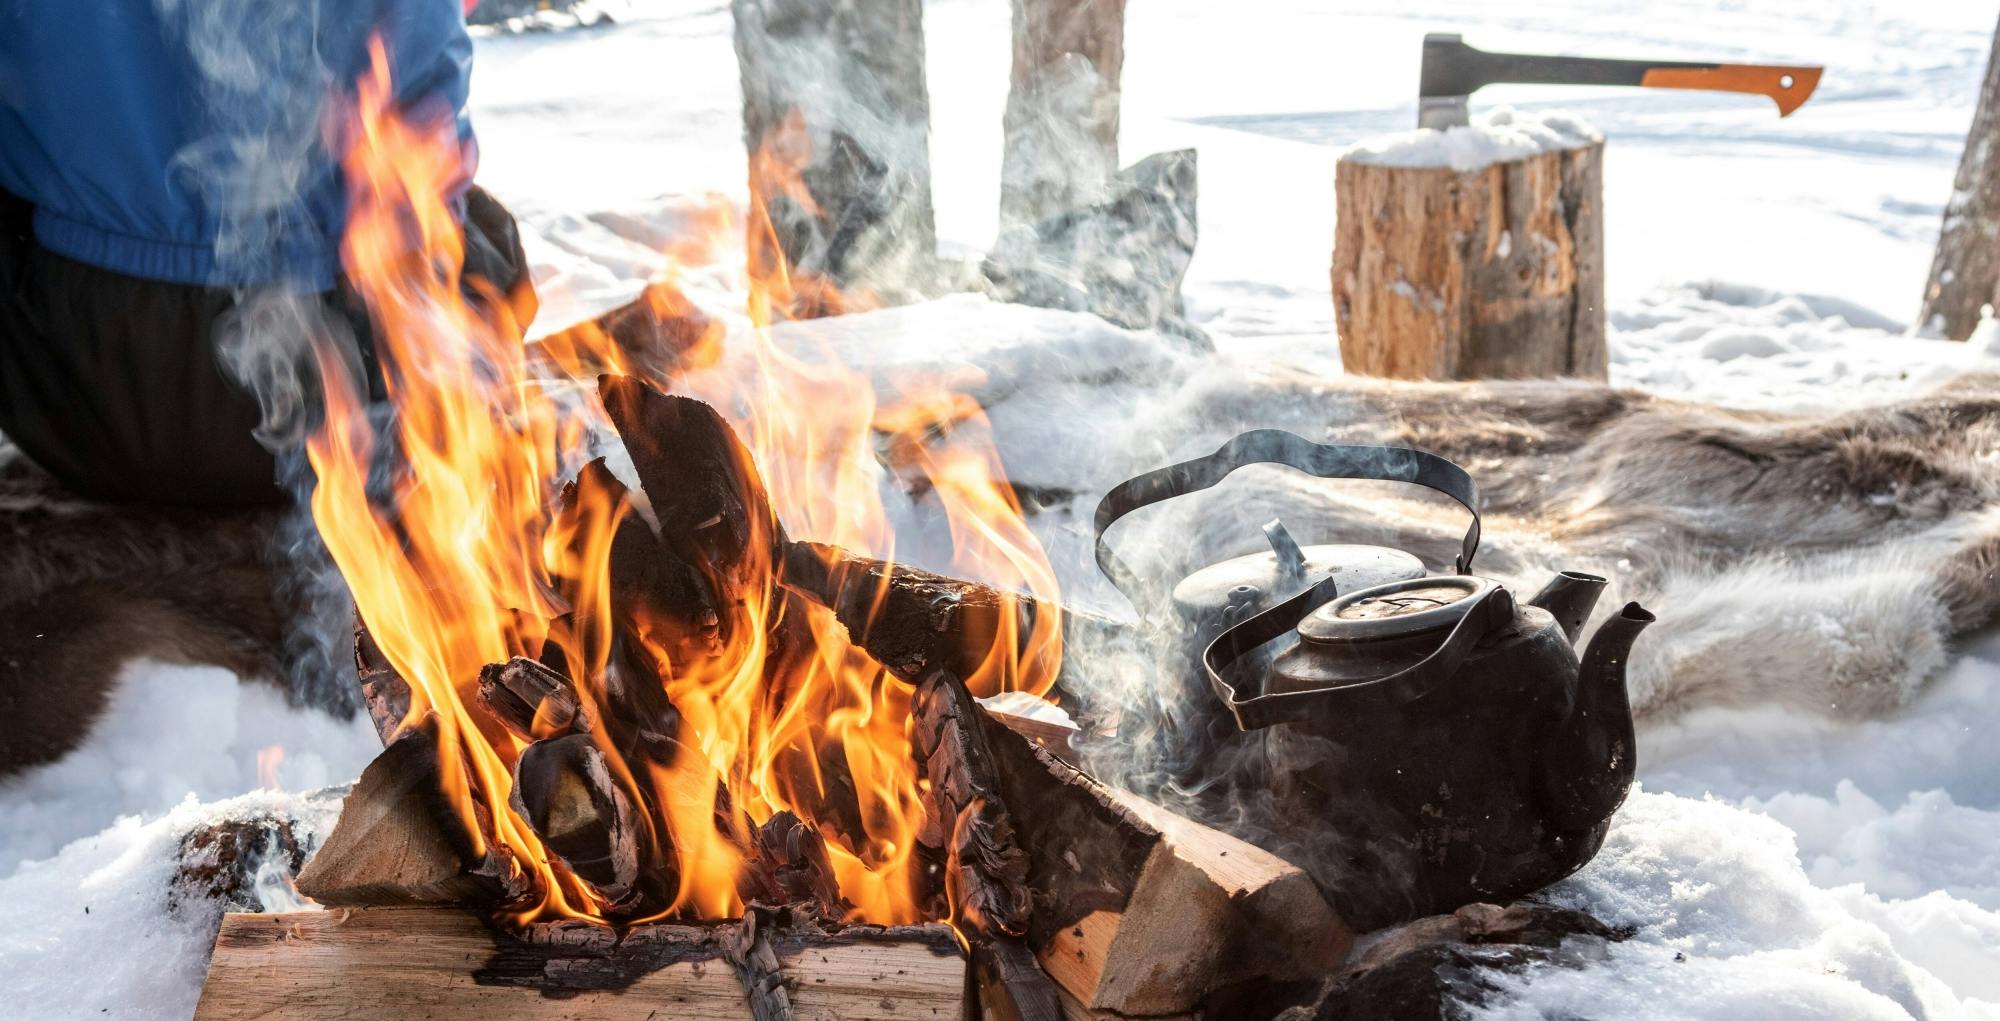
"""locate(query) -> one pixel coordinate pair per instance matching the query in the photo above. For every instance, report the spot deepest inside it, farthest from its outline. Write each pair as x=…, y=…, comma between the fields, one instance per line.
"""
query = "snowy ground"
x=1802, y=868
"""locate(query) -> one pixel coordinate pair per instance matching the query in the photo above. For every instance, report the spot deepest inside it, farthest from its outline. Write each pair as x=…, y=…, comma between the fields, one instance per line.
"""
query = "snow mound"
x=1495, y=136
x=100, y=930
x=1729, y=926
x=173, y=732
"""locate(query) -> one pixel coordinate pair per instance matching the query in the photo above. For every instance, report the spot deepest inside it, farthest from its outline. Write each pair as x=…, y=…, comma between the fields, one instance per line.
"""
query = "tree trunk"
x=1062, y=108
x=836, y=117
x=1966, y=268
x=1494, y=273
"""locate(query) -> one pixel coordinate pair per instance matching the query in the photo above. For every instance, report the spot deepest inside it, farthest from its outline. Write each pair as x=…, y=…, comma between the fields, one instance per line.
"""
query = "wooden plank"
x=389, y=964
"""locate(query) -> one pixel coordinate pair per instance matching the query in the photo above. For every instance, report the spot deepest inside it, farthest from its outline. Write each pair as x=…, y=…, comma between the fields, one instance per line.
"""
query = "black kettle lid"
x=1396, y=610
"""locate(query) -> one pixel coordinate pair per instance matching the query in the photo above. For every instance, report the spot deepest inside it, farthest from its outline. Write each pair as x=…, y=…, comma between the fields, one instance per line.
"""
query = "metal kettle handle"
x=1489, y=612
x=1276, y=446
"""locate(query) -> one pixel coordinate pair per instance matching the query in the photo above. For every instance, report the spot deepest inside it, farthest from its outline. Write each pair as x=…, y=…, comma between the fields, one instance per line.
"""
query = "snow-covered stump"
x=1473, y=253
x=836, y=119
x=1966, y=268
x=1061, y=142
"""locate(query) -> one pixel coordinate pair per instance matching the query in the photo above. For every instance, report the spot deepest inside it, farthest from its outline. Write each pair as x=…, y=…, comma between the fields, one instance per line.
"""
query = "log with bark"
x=1139, y=911
x=446, y=964
x=1491, y=273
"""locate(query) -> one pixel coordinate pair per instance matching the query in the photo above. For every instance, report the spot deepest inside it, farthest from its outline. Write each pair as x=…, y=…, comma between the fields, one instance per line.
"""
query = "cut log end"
x=1494, y=273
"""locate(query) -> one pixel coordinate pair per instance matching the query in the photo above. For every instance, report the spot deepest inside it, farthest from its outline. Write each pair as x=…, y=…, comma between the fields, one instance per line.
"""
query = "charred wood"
x=383, y=690
x=565, y=789
x=531, y=700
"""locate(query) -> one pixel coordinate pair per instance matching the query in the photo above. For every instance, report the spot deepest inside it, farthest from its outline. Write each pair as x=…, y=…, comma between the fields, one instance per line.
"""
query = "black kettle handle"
x=1276, y=446
x=1490, y=611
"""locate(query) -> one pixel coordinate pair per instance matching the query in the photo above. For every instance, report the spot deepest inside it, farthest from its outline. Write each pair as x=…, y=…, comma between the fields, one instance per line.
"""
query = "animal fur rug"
x=1819, y=562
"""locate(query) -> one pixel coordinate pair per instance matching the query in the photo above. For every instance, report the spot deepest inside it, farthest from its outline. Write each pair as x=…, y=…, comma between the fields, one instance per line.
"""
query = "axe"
x=1453, y=71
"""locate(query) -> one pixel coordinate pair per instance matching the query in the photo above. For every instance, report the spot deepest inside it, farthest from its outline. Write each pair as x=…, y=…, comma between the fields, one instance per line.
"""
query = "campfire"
x=678, y=701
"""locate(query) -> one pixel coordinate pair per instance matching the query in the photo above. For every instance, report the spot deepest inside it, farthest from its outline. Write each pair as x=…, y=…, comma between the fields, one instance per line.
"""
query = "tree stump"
x=1495, y=272
x=1966, y=269
x=1062, y=108
x=836, y=117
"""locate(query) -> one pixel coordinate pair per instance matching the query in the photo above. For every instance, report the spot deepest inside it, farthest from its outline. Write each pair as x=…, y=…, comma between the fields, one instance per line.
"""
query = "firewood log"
x=967, y=820
x=383, y=690
x=398, y=841
x=564, y=788
x=1140, y=911
x=387, y=964
x=531, y=700
x=706, y=495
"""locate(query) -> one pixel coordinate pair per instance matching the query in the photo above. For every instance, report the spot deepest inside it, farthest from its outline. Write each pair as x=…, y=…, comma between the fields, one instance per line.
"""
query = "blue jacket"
x=182, y=140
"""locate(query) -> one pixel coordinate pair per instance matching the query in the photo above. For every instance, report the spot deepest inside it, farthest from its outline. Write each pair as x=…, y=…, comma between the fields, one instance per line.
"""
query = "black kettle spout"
x=1591, y=763
x=1569, y=597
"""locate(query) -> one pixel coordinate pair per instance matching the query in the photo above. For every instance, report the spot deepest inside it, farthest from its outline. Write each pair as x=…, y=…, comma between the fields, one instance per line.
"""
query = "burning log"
x=564, y=788
x=1493, y=273
x=383, y=690
x=531, y=700
x=968, y=825
x=393, y=963
x=658, y=334
x=836, y=116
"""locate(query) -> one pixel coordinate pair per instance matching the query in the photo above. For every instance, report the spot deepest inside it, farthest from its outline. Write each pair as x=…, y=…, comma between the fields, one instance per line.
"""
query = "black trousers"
x=111, y=383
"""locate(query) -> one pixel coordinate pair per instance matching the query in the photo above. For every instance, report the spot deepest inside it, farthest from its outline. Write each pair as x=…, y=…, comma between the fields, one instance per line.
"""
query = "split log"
x=1061, y=124
x=706, y=495
x=398, y=840
x=912, y=621
x=836, y=118
x=531, y=700
x=446, y=965
x=1139, y=911
x=1966, y=269
x=1493, y=273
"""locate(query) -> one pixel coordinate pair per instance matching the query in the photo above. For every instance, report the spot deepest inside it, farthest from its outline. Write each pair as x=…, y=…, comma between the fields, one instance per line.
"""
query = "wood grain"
x=1494, y=273
x=396, y=963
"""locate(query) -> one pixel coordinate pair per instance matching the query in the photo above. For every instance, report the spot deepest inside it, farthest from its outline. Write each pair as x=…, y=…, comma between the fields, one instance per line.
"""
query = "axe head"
x=1453, y=71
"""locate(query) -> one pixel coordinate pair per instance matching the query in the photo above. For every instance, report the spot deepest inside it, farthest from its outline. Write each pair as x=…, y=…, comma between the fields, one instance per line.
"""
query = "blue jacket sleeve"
x=163, y=142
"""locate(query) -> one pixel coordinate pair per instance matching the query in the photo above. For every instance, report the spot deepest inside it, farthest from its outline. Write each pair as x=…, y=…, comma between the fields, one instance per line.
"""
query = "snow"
x=1799, y=866
x=170, y=733
x=1495, y=136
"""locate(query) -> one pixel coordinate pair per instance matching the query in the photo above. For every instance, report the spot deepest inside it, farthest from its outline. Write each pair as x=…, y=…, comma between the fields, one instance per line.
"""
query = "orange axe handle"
x=1787, y=85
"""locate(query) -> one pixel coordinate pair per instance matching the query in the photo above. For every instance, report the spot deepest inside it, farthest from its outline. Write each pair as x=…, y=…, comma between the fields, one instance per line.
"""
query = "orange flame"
x=269, y=759
x=458, y=558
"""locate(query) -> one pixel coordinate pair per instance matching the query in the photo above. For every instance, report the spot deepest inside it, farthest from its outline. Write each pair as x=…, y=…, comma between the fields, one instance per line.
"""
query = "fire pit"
x=644, y=748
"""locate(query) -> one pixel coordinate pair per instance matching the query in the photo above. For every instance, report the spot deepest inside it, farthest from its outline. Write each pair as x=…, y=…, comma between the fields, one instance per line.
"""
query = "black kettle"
x=1450, y=733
